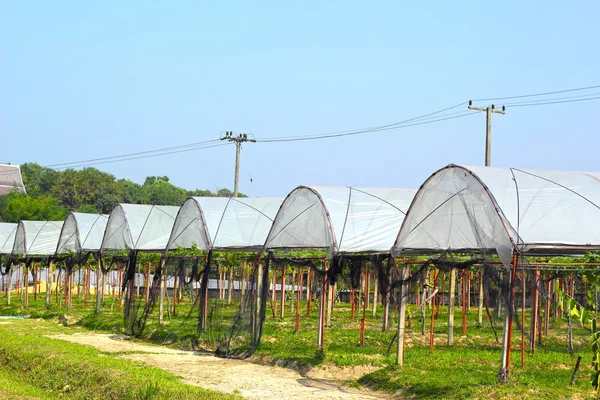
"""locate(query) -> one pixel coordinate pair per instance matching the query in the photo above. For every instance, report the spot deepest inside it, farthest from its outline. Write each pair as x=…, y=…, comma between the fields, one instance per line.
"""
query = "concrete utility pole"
x=488, y=128
x=238, y=139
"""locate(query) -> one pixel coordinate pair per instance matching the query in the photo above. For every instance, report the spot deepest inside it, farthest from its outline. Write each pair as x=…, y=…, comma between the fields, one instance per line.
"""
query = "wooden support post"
x=175, y=282
x=432, y=322
x=147, y=282
x=35, y=282
x=365, y=305
x=282, y=305
x=367, y=291
x=321, y=326
x=26, y=276
x=10, y=283
x=547, y=310
x=451, y=300
x=480, y=303
x=274, y=299
x=352, y=305
x=534, y=309
x=70, y=292
x=298, y=291
x=375, y=292
x=161, y=303
x=230, y=285
x=98, y=287
x=293, y=291
x=309, y=282
x=507, y=332
x=48, y=284
x=523, y=279
x=386, y=300
x=329, y=306
x=465, y=279
x=468, y=290
x=402, y=316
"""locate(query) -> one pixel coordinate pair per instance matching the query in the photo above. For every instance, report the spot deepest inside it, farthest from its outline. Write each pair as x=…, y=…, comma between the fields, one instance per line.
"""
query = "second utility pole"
x=238, y=139
x=488, y=128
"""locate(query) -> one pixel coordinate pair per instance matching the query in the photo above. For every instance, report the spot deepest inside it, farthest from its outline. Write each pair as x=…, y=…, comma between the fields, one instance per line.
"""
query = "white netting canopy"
x=10, y=179
x=82, y=232
x=340, y=219
x=224, y=223
x=501, y=209
x=37, y=238
x=7, y=237
x=139, y=227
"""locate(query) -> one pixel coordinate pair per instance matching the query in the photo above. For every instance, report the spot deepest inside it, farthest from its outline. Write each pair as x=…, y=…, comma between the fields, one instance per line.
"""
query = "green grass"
x=466, y=370
x=37, y=366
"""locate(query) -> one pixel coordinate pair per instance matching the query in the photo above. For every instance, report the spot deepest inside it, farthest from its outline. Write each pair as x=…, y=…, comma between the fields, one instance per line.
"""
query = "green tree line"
x=52, y=194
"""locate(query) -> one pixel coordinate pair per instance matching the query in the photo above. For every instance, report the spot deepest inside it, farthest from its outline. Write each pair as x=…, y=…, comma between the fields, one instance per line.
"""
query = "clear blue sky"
x=83, y=79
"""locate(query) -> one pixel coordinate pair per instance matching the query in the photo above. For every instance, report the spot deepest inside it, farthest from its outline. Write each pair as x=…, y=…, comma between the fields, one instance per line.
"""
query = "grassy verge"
x=466, y=370
x=51, y=368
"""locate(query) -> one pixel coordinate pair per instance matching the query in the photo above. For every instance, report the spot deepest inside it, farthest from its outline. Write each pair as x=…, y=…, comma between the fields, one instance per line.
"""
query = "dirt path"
x=230, y=376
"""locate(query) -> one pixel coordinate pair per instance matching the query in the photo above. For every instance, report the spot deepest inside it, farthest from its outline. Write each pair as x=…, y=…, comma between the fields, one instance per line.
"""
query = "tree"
x=161, y=192
x=74, y=189
x=133, y=193
x=37, y=179
x=19, y=206
x=200, y=193
x=224, y=193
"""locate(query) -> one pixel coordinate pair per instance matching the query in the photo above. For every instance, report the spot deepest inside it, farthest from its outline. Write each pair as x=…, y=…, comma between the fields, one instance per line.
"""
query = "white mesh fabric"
x=69, y=239
x=156, y=230
x=302, y=222
x=548, y=209
x=374, y=217
x=362, y=219
x=454, y=211
x=139, y=227
x=224, y=223
x=188, y=228
x=82, y=232
x=37, y=238
x=117, y=235
x=7, y=237
x=243, y=223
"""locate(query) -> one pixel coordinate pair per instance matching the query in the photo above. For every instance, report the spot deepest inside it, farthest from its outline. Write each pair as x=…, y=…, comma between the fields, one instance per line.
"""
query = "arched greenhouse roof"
x=340, y=219
x=461, y=208
x=7, y=237
x=36, y=238
x=239, y=223
x=10, y=179
x=82, y=232
x=139, y=227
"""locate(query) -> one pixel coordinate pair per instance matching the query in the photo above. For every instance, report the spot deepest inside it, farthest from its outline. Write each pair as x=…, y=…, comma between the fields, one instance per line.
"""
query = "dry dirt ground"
x=250, y=380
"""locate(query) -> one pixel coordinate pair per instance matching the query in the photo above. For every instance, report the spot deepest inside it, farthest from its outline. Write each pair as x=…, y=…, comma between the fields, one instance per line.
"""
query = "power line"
x=132, y=154
x=396, y=125
x=144, y=156
x=555, y=102
x=553, y=98
x=539, y=94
